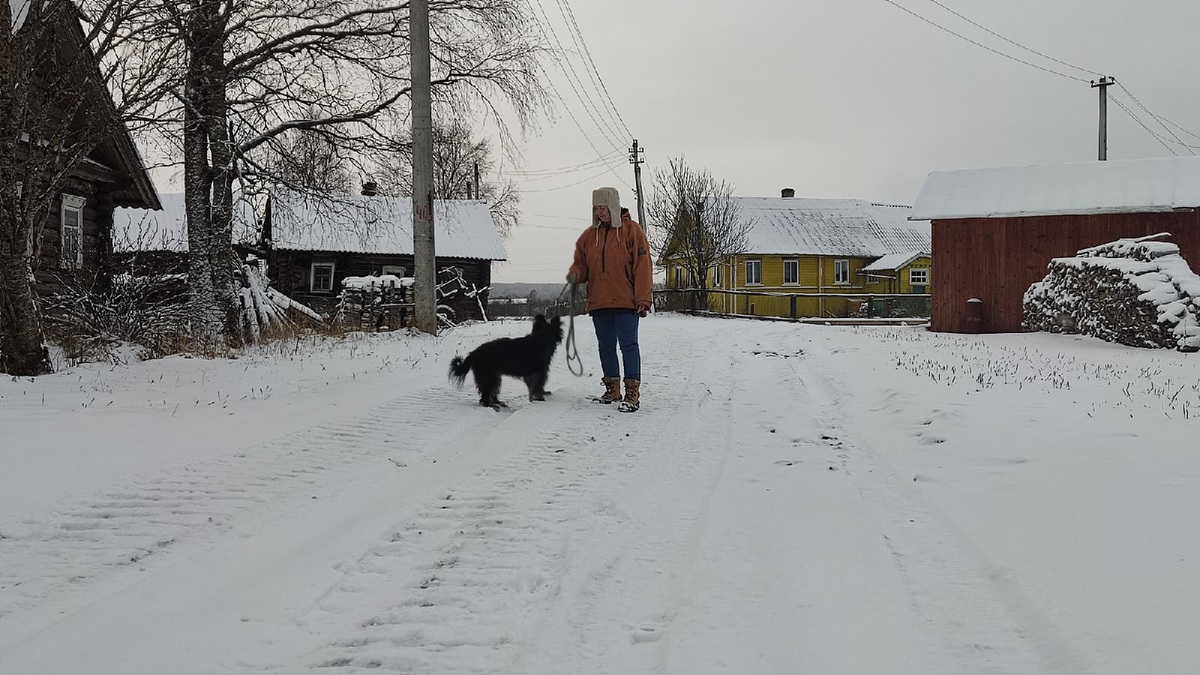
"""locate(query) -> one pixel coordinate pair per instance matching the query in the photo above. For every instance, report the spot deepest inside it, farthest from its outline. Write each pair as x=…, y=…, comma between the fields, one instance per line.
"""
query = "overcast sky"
x=844, y=98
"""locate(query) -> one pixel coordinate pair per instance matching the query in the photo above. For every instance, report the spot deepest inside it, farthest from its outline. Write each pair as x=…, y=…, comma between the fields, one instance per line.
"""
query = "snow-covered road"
x=773, y=508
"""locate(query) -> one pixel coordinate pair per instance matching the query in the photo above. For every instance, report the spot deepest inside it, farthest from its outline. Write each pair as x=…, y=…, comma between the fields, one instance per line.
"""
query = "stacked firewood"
x=1139, y=293
x=375, y=303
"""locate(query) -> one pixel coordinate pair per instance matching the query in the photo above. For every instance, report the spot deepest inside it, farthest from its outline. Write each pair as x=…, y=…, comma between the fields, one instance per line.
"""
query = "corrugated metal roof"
x=1122, y=186
x=166, y=230
x=848, y=227
x=380, y=224
x=893, y=261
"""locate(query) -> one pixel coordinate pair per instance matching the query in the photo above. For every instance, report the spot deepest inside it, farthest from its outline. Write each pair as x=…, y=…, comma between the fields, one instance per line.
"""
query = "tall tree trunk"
x=207, y=302
x=22, y=343
x=223, y=262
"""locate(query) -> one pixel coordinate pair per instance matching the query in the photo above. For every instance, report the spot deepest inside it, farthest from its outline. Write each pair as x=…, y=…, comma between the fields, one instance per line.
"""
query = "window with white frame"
x=70, y=245
x=394, y=270
x=716, y=276
x=321, y=280
x=841, y=271
x=791, y=272
x=753, y=272
x=918, y=276
x=678, y=277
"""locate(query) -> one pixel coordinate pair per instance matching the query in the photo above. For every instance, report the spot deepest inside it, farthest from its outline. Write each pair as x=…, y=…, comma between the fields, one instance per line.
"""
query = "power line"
x=1161, y=120
x=543, y=215
x=553, y=227
x=563, y=187
x=532, y=176
x=1137, y=119
x=573, y=78
x=1156, y=118
x=1013, y=42
x=980, y=44
x=566, y=169
x=1178, y=127
x=612, y=107
x=580, y=127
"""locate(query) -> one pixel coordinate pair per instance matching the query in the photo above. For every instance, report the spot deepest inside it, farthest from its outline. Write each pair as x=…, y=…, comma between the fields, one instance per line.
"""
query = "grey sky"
x=847, y=98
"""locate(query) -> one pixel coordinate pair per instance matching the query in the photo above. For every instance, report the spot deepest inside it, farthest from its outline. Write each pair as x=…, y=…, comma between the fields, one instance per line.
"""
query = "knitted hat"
x=609, y=197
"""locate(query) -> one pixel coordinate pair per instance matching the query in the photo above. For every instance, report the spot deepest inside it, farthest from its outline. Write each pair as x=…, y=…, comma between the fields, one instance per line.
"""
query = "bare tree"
x=694, y=221
x=70, y=74
x=256, y=73
x=458, y=156
x=308, y=159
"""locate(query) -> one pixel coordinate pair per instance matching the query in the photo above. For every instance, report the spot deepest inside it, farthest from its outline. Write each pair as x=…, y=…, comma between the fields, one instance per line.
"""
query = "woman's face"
x=602, y=213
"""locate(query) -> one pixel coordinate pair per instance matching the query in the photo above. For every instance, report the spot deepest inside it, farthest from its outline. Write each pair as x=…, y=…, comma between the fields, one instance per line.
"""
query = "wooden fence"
x=795, y=305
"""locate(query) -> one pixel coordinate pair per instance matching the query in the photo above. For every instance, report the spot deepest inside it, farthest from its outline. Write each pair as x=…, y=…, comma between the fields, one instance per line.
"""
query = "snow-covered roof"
x=1124, y=186
x=850, y=227
x=166, y=230
x=380, y=224
x=893, y=261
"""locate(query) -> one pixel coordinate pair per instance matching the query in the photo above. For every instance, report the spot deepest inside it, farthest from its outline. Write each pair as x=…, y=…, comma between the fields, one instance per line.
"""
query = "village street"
x=750, y=518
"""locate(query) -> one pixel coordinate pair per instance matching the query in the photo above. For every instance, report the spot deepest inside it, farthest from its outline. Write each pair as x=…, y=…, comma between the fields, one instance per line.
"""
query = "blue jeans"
x=614, y=328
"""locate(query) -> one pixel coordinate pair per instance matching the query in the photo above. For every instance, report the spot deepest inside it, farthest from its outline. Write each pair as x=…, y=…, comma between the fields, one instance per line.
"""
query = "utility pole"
x=636, y=157
x=476, y=180
x=424, y=266
x=1103, y=85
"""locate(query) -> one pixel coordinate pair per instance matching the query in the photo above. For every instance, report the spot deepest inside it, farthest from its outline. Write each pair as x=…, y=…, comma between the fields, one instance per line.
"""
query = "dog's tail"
x=459, y=367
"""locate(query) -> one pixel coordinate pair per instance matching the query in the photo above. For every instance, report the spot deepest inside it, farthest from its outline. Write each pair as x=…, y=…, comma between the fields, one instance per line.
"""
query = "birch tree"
x=695, y=222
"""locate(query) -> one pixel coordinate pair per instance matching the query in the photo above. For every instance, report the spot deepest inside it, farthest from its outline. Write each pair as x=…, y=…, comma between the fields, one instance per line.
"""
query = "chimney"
x=788, y=193
x=370, y=189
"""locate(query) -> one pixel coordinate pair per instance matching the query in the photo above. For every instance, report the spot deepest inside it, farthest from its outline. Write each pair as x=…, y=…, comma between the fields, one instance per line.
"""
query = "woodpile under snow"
x=1135, y=292
x=376, y=303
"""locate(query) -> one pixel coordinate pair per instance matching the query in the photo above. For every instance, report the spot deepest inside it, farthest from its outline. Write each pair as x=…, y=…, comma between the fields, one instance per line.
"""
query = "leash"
x=571, y=349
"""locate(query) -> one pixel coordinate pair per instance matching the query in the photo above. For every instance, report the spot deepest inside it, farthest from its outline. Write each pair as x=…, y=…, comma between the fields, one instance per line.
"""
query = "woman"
x=613, y=258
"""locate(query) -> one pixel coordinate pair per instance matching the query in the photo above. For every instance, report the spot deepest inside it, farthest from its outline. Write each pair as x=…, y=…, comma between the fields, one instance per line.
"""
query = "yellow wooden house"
x=802, y=255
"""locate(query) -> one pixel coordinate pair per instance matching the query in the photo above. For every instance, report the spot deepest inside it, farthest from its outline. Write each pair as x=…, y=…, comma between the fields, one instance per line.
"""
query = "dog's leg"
x=537, y=386
x=488, y=384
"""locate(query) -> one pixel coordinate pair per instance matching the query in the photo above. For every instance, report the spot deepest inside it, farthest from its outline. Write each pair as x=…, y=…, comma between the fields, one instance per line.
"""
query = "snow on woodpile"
x=1136, y=292
x=381, y=281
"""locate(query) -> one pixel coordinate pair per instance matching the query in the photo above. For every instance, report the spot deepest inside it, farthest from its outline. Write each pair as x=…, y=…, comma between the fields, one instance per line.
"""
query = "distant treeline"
x=519, y=290
x=515, y=299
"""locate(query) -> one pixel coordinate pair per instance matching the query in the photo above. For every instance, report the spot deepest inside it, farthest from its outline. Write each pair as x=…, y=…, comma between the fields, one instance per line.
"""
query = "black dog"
x=525, y=357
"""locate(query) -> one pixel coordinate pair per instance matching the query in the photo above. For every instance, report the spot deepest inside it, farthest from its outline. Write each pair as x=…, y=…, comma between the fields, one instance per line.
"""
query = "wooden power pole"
x=1103, y=85
x=636, y=157
x=424, y=254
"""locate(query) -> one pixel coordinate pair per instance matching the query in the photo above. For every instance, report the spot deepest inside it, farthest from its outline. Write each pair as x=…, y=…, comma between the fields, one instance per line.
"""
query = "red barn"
x=995, y=230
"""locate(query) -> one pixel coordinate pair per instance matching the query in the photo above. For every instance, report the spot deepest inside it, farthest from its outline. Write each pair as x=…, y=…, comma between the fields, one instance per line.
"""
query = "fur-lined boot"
x=633, y=395
x=612, y=390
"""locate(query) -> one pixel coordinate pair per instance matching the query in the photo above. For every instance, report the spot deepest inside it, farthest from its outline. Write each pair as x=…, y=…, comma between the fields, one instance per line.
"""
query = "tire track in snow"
x=968, y=602
x=92, y=546
x=470, y=583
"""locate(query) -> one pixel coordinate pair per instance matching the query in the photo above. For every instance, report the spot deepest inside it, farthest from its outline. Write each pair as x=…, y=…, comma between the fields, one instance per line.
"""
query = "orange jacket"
x=615, y=264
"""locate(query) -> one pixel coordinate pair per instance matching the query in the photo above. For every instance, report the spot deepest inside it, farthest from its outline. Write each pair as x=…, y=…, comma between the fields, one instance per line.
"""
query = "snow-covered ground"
x=790, y=499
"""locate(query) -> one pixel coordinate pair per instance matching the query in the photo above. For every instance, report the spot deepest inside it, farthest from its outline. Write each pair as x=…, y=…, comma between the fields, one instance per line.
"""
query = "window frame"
x=924, y=272
x=312, y=276
x=384, y=270
x=841, y=268
x=70, y=204
x=679, y=276
x=716, y=275
x=794, y=262
x=756, y=278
